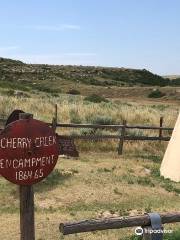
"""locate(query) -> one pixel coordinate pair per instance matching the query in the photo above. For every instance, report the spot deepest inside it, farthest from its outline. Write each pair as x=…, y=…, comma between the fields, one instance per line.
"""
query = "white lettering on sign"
x=13, y=143
x=27, y=162
x=29, y=174
x=45, y=141
x=21, y=167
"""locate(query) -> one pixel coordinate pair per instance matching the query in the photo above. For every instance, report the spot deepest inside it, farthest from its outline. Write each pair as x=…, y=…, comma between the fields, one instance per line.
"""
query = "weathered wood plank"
x=129, y=138
x=27, y=226
x=72, y=125
x=115, y=223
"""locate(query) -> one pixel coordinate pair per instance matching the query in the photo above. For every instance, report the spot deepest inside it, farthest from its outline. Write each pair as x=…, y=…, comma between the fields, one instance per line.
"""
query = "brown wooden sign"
x=28, y=151
x=67, y=146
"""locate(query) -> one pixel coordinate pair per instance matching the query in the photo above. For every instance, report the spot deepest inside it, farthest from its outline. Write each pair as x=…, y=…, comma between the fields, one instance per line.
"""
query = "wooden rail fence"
x=121, y=128
x=121, y=136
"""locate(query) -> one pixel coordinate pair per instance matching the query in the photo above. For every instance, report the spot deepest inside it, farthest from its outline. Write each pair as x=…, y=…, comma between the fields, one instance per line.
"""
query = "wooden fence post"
x=26, y=193
x=160, y=130
x=121, y=141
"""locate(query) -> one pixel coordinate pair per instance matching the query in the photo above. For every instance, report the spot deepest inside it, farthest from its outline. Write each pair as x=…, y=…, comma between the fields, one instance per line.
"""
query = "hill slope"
x=53, y=78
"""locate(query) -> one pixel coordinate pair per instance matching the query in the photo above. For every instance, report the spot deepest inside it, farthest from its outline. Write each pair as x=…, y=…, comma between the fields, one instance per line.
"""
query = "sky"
x=119, y=33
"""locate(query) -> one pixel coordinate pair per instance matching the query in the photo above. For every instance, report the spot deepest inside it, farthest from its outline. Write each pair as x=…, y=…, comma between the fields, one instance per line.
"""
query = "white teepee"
x=170, y=167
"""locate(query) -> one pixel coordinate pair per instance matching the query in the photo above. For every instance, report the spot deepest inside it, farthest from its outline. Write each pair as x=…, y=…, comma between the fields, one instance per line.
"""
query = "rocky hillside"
x=52, y=78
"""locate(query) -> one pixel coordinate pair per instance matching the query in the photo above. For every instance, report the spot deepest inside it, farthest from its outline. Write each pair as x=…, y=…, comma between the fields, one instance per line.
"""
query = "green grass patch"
x=55, y=178
x=95, y=98
x=156, y=94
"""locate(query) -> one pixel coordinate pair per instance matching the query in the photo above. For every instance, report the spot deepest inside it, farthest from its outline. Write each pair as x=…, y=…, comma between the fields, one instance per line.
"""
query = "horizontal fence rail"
x=102, y=126
x=115, y=223
x=72, y=125
x=129, y=138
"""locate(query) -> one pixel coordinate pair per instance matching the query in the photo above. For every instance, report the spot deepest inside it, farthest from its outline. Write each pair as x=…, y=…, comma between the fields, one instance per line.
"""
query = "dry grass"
x=100, y=183
x=135, y=113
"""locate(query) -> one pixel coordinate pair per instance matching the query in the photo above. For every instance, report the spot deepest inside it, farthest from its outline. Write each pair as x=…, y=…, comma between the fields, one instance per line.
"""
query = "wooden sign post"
x=29, y=151
x=26, y=197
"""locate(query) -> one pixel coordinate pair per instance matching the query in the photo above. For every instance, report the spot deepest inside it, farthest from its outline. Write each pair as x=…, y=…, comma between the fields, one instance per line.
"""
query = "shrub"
x=92, y=132
x=74, y=117
x=54, y=94
x=168, y=186
x=95, y=98
x=87, y=131
x=104, y=170
x=144, y=181
x=97, y=119
x=46, y=89
x=9, y=92
x=156, y=94
x=135, y=132
x=73, y=92
x=155, y=172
